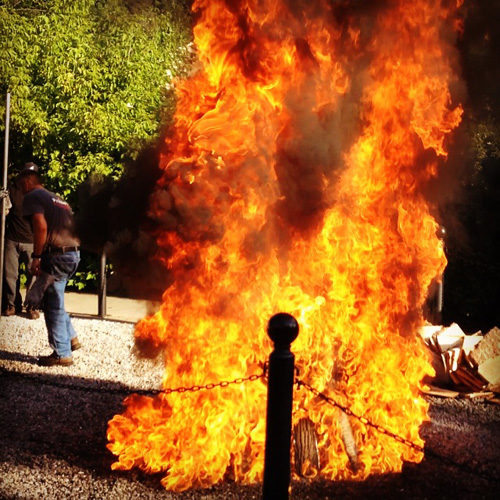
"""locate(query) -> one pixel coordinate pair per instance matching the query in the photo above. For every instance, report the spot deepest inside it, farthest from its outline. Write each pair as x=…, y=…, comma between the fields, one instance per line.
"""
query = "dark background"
x=472, y=216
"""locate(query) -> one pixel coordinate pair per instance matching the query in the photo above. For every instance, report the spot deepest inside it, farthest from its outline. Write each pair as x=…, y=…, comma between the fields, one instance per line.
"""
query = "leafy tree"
x=90, y=84
x=89, y=81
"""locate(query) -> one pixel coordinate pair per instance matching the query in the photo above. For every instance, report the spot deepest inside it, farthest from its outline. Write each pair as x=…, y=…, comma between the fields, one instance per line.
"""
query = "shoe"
x=10, y=311
x=54, y=360
x=75, y=344
x=33, y=314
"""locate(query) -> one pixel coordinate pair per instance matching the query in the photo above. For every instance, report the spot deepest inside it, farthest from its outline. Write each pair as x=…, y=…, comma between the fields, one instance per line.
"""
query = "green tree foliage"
x=89, y=81
x=91, y=85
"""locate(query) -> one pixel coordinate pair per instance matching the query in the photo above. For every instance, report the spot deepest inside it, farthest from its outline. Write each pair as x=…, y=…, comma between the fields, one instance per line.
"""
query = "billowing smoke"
x=128, y=218
x=112, y=217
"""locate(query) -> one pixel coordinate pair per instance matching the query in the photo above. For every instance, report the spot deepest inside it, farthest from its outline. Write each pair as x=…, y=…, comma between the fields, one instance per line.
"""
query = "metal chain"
x=144, y=392
x=363, y=420
x=241, y=380
x=398, y=438
x=208, y=387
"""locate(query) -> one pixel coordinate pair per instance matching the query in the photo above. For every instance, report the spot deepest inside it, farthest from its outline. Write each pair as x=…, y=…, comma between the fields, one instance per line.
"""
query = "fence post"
x=2, y=199
x=282, y=330
x=101, y=298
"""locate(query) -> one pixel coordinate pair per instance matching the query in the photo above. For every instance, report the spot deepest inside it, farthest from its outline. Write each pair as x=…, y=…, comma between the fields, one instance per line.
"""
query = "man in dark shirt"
x=18, y=250
x=55, y=252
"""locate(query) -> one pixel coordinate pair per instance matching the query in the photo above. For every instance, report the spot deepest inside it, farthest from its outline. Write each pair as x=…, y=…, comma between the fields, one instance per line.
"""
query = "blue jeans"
x=62, y=267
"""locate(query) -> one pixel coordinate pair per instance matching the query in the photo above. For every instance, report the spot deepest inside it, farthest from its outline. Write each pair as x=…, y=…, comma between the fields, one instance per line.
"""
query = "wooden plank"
x=478, y=395
x=488, y=348
x=433, y=390
x=451, y=337
x=305, y=442
x=471, y=341
x=470, y=379
x=490, y=370
x=349, y=441
x=494, y=388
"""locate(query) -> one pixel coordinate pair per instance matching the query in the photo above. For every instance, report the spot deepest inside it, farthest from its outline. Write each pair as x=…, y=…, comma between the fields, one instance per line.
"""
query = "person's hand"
x=35, y=267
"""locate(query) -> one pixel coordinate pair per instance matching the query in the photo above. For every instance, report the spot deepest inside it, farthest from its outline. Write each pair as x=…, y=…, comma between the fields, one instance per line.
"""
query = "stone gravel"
x=108, y=355
x=53, y=425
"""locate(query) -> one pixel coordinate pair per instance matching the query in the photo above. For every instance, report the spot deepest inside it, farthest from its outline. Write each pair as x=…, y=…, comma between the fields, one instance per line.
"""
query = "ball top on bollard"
x=283, y=328
x=441, y=232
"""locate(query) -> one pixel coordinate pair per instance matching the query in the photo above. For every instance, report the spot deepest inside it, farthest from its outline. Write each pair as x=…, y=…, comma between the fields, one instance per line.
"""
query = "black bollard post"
x=101, y=306
x=282, y=330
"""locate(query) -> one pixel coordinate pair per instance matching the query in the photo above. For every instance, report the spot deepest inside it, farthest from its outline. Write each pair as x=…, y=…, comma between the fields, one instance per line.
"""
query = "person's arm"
x=4, y=194
x=39, y=225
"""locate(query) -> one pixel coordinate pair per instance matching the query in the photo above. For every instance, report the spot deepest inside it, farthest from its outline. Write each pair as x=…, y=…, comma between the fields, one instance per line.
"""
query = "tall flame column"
x=282, y=330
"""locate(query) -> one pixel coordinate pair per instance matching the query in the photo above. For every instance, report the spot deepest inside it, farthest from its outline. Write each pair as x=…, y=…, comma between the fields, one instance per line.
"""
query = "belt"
x=60, y=249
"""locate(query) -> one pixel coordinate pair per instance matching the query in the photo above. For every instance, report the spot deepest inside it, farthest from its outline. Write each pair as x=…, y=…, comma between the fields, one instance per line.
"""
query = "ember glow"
x=293, y=181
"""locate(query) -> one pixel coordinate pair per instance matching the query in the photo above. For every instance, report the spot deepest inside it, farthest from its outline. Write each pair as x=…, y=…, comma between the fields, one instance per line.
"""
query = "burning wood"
x=349, y=440
x=305, y=443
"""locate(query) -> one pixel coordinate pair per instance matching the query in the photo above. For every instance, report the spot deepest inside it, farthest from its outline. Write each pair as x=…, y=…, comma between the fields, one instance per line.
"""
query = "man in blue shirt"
x=55, y=252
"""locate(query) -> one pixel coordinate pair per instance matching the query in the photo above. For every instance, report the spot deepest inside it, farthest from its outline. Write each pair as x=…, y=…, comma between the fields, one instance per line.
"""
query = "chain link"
x=398, y=438
x=241, y=380
x=363, y=420
x=196, y=388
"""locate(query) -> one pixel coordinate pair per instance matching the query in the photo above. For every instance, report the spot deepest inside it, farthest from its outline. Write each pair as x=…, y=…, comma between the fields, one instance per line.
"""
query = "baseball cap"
x=29, y=168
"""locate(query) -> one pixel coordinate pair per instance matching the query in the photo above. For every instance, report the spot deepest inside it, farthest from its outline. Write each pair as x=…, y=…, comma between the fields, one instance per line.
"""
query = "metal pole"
x=102, y=286
x=283, y=330
x=4, y=186
x=441, y=233
x=439, y=302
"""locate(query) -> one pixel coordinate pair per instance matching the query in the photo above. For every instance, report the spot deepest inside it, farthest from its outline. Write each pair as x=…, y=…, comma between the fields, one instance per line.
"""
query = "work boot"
x=54, y=360
x=32, y=314
x=75, y=344
x=10, y=311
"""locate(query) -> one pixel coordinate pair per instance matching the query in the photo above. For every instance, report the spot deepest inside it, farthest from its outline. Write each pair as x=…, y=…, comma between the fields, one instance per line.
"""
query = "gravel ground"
x=44, y=456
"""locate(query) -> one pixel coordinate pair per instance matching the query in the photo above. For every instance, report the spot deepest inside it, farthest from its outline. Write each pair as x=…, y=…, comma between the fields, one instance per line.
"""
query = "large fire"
x=293, y=181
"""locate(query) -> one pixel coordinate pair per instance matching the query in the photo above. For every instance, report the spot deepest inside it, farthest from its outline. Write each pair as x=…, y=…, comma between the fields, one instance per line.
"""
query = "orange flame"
x=293, y=181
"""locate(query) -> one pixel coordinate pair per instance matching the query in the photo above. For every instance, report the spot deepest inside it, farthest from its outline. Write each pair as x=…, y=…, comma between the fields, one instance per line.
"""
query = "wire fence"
x=252, y=378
